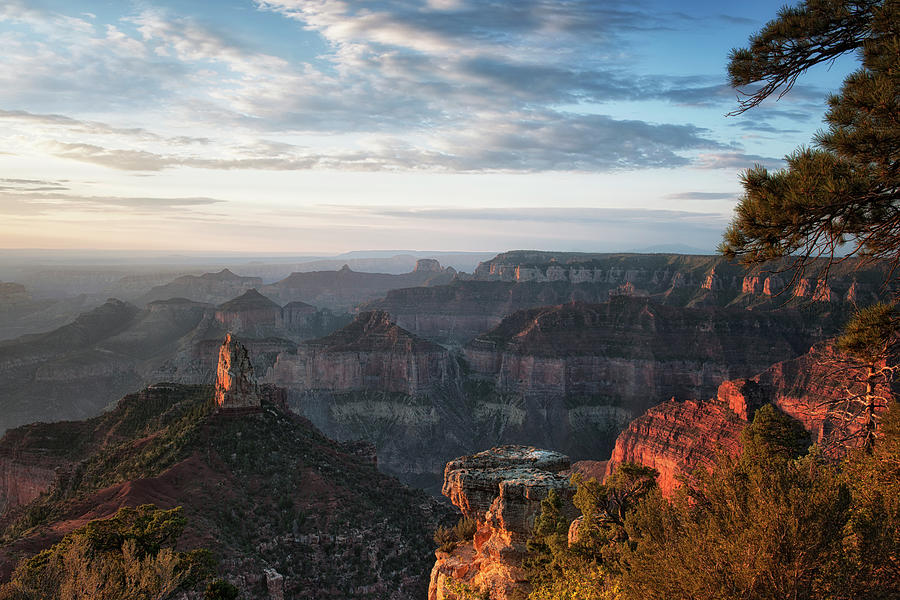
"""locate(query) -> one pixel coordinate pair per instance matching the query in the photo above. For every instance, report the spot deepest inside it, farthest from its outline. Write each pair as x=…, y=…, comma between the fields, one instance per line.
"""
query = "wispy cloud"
x=36, y=197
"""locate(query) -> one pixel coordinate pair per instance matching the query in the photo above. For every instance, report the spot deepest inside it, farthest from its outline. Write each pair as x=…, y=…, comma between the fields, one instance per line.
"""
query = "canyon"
x=568, y=378
x=659, y=360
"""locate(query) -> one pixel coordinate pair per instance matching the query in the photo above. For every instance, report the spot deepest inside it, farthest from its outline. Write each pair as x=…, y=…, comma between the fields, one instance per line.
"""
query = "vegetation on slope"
x=130, y=555
x=779, y=521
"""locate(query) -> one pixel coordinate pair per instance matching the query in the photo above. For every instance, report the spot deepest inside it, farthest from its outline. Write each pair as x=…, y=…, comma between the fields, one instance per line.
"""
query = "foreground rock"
x=677, y=437
x=501, y=489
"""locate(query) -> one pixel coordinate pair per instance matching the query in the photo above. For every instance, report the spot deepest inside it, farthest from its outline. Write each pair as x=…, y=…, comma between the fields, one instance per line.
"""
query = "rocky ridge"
x=655, y=273
x=501, y=489
x=212, y=288
x=520, y=280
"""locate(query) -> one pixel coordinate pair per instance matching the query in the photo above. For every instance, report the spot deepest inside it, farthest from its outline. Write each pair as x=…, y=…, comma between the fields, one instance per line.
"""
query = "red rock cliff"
x=678, y=437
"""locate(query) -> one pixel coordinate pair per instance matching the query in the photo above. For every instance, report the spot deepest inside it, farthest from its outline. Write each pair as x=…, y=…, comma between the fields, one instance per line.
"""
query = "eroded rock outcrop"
x=501, y=489
x=235, y=385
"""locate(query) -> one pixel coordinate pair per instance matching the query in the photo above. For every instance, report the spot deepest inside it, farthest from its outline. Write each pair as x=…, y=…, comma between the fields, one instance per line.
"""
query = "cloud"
x=527, y=142
x=56, y=121
x=450, y=85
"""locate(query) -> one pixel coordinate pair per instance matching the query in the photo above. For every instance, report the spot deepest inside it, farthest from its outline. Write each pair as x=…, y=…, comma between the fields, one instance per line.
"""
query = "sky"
x=323, y=126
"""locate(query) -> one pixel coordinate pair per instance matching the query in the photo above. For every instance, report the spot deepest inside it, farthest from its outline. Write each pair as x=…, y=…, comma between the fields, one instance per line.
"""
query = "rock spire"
x=235, y=384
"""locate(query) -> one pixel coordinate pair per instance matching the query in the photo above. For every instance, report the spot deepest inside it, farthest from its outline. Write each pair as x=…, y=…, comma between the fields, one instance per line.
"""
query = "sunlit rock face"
x=676, y=438
x=501, y=489
x=235, y=385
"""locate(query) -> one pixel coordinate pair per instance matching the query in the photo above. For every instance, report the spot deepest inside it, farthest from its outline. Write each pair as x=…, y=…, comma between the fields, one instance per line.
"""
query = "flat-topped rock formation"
x=249, y=312
x=371, y=353
x=501, y=489
x=677, y=437
x=376, y=381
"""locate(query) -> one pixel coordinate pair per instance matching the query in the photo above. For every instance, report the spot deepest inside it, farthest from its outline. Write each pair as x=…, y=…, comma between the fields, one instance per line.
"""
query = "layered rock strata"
x=583, y=371
x=466, y=308
x=501, y=489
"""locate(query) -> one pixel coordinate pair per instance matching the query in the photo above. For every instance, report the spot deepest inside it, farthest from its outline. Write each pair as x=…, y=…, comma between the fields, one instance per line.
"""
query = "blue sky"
x=327, y=125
